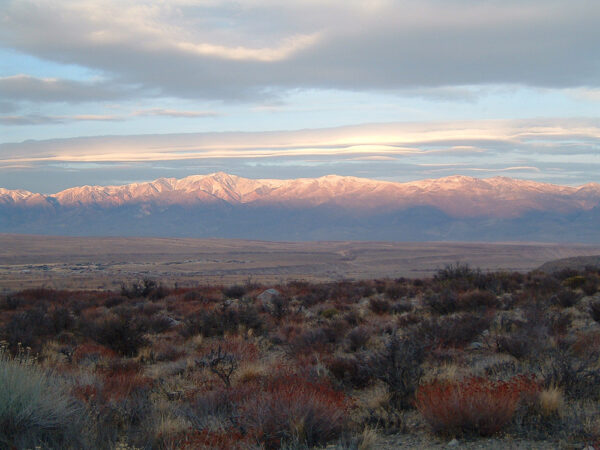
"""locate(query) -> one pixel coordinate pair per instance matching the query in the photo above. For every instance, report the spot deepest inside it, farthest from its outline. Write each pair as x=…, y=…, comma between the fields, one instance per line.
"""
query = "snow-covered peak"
x=455, y=195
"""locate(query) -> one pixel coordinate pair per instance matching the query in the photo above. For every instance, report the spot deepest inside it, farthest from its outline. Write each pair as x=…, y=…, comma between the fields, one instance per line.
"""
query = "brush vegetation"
x=353, y=364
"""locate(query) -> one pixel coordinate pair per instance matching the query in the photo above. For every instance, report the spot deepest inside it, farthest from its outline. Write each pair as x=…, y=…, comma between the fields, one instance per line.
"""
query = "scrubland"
x=486, y=358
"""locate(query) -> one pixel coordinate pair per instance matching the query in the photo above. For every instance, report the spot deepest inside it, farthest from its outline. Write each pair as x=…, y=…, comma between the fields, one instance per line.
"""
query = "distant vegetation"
x=464, y=354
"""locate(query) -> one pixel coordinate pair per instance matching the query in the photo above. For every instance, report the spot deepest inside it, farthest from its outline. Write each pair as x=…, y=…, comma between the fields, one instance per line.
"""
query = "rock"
x=266, y=298
x=268, y=295
x=453, y=443
x=172, y=322
x=475, y=345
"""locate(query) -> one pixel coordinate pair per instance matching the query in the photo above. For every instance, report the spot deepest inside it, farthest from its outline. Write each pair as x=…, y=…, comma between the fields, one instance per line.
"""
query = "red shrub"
x=475, y=405
x=93, y=352
x=87, y=392
x=242, y=349
x=119, y=385
x=205, y=439
x=290, y=406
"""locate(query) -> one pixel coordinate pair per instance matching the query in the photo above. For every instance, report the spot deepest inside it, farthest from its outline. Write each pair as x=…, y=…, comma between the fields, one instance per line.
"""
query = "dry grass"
x=551, y=402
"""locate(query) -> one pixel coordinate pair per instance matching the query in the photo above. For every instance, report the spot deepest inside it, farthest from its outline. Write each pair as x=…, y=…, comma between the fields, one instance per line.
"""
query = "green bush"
x=35, y=407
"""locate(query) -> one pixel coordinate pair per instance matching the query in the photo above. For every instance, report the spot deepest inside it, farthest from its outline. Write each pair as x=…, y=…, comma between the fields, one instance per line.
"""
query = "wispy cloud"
x=37, y=119
x=175, y=113
x=518, y=139
x=25, y=87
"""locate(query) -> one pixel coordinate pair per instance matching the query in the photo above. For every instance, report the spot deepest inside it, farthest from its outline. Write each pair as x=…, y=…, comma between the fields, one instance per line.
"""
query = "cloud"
x=7, y=107
x=505, y=169
x=519, y=139
x=257, y=49
x=592, y=95
x=38, y=119
x=175, y=113
x=25, y=87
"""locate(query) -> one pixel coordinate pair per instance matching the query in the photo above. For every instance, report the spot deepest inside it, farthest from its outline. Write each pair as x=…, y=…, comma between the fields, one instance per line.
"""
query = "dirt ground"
x=106, y=263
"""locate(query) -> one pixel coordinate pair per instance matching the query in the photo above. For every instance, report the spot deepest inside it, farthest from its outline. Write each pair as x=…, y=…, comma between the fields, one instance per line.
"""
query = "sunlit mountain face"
x=329, y=208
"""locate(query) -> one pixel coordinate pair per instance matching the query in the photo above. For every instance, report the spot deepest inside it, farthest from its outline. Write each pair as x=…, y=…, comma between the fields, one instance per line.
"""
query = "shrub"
x=595, y=310
x=575, y=281
x=473, y=406
x=220, y=363
x=452, y=331
x=379, y=305
x=456, y=272
x=442, y=303
x=578, y=377
x=518, y=344
x=290, y=408
x=122, y=335
x=395, y=291
x=398, y=365
x=234, y=291
x=566, y=298
x=310, y=341
x=218, y=321
x=477, y=300
x=146, y=288
x=26, y=327
x=349, y=371
x=357, y=338
x=35, y=408
x=214, y=440
x=10, y=303
x=590, y=287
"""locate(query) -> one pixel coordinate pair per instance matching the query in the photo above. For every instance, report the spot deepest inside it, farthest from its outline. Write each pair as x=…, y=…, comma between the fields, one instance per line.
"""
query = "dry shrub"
x=590, y=287
x=92, y=352
x=122, y=334
x=473, y=406
x=445, y=302
x=595, y=310
x=453, y=331
x=477, y=300
x=234, y=291
x=226, y=318
x=398, y=365
x=312, y=340
x=380, y=305
x=120, y=384
x=566, y=298
x=349, y=371
x=357, y=338
x=518, y=344
x=290, y=408
x=207, y=439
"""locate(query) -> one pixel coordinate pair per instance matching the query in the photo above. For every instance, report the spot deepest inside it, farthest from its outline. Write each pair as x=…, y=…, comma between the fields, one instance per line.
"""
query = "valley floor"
x=104, y=263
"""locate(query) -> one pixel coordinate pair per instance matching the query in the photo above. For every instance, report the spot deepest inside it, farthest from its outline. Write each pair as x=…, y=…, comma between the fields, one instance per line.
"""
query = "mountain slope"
x=330, y=207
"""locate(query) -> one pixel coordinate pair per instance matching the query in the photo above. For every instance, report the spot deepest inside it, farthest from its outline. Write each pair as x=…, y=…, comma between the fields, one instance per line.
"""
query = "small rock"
x=475, y=345
x=453, y=443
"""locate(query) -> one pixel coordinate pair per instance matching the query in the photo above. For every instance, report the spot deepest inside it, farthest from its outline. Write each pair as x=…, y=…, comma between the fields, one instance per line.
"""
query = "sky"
x=114, y=91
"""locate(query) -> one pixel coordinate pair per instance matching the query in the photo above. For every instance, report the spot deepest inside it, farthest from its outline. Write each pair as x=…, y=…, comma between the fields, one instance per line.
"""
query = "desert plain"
x=107, y=262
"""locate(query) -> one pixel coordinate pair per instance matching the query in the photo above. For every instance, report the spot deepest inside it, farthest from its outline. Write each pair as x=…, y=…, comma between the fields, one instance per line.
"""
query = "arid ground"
x=105, y=263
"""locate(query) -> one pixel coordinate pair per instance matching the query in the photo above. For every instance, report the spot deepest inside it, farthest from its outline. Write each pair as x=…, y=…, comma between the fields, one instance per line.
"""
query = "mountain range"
x=326, y=208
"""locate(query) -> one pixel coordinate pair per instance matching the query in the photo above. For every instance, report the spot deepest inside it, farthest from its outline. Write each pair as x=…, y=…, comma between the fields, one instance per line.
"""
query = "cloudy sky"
x=114, y=91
